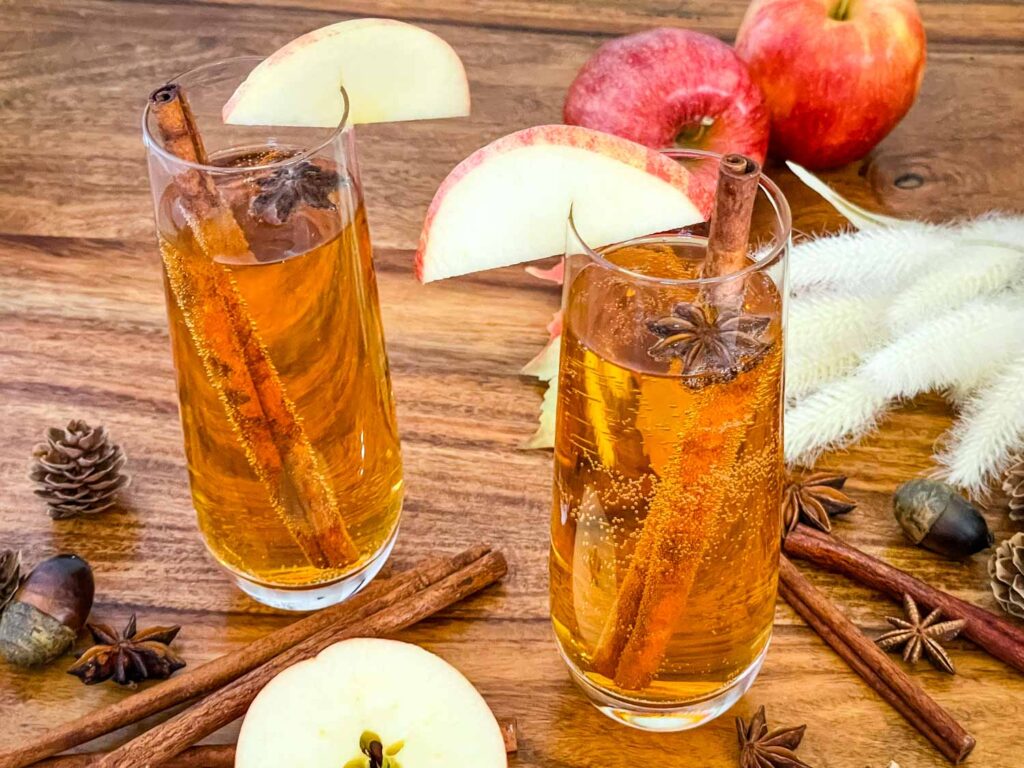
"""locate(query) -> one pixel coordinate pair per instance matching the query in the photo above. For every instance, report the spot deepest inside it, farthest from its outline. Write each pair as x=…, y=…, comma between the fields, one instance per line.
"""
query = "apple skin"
x=651, y=87
x=834, y=88
x=298, y=83
x=688, y=197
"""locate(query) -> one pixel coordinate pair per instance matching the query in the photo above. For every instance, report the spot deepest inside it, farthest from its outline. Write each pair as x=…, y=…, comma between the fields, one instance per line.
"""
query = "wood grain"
x=989, y=22
x=225, y=705
x=82, y=333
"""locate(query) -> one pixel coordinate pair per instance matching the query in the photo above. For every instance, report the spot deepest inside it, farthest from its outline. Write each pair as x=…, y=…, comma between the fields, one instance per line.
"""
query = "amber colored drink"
x=309, y=296
x=283, y=384
x=665, y=524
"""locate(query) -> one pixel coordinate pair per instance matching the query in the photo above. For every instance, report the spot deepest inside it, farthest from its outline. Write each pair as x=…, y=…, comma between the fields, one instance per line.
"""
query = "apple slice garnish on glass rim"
x=508, y=203
x=391, y=72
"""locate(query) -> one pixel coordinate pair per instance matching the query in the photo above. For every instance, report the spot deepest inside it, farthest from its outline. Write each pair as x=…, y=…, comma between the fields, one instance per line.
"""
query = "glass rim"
x=154, y=145
x=772, y=257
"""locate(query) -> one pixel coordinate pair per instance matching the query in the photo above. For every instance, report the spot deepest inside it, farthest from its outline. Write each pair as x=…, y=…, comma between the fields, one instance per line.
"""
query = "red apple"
x=671, y=87
x=838, y=75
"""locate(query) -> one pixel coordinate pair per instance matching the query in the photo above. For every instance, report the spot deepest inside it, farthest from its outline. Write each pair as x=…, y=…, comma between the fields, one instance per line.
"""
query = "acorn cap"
x=62, y=588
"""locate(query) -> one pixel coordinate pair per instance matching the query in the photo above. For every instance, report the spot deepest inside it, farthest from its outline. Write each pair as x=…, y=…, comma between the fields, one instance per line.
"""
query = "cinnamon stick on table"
x=219, y=756
x=223, y=755
x=173, y=737
x=1001, y=638
x=202, y=680
x=236, y=362
x=874, y=666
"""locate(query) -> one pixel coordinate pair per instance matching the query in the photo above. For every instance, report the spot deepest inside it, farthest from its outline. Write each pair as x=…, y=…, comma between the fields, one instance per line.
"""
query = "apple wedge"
x=508, y=202
x=370, y=702
x=391, y=71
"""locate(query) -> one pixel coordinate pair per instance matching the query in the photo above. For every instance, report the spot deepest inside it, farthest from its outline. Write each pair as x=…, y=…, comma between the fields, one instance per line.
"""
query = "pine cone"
x=78, y=469
x=10, y=575
x=1013, y=484
x=1006, y=570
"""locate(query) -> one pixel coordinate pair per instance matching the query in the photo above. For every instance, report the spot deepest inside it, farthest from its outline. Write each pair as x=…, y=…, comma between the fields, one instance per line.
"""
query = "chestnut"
x=935, y=516
x=47, y=612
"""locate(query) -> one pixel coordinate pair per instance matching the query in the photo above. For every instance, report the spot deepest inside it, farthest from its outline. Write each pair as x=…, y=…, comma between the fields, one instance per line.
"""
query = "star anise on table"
x=761, y=748
x=284, y=189
x=814, y=500
x=130, y=657
x=713, y=347
x=916, y=635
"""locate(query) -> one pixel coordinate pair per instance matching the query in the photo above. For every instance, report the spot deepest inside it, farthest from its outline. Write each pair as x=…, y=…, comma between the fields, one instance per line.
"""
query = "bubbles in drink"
x=665, y=523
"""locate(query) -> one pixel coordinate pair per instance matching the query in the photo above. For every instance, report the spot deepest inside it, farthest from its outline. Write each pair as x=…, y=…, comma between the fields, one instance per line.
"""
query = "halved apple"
x=369, y=697
x=509, y=202
x=391, y=71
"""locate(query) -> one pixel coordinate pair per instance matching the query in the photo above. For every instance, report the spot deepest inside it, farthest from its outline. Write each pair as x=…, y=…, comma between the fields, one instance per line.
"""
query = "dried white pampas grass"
x=952, y=321
x=989, y=432
x=983, y=269
x=833, y=417
x=869, y=261
x=949, y=350
x=826, y=337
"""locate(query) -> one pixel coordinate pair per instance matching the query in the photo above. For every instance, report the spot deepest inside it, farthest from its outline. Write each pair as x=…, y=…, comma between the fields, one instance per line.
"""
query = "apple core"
x=693, y=134
x=840, y=11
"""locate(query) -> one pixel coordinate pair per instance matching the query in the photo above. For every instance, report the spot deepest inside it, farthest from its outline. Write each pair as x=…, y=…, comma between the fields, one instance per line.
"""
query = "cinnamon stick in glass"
x=231, y=702
x=729, y=236
x=874, y=666
x=236, y=362
x=200, y=681
x=999, y=637
x=692, y=490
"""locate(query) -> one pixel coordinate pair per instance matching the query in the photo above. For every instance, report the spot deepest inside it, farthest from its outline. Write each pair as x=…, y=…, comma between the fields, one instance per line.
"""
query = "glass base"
x=665, y=718
x=322, y=595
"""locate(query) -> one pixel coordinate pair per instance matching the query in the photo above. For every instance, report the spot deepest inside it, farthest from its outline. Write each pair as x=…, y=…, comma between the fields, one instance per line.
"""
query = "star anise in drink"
x=761, y=748
x=130, y=657
x=813, y=500
x=714, y=347
x=303, y=183
x=916, y=635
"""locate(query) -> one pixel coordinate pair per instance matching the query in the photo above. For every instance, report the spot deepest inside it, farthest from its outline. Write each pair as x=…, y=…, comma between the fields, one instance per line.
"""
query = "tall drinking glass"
x=285, y=396
x=668, y=468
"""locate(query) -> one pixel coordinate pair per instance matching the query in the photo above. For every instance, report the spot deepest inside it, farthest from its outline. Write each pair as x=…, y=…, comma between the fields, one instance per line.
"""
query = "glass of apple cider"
x=665, y=526
x=285, y=397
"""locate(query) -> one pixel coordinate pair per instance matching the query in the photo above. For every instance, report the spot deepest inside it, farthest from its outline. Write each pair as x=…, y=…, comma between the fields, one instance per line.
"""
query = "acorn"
x=936, y=517
x=47, y=612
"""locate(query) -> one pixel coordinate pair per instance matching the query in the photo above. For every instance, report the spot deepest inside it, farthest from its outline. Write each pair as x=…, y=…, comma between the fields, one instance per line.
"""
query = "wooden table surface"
x=83, y=334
